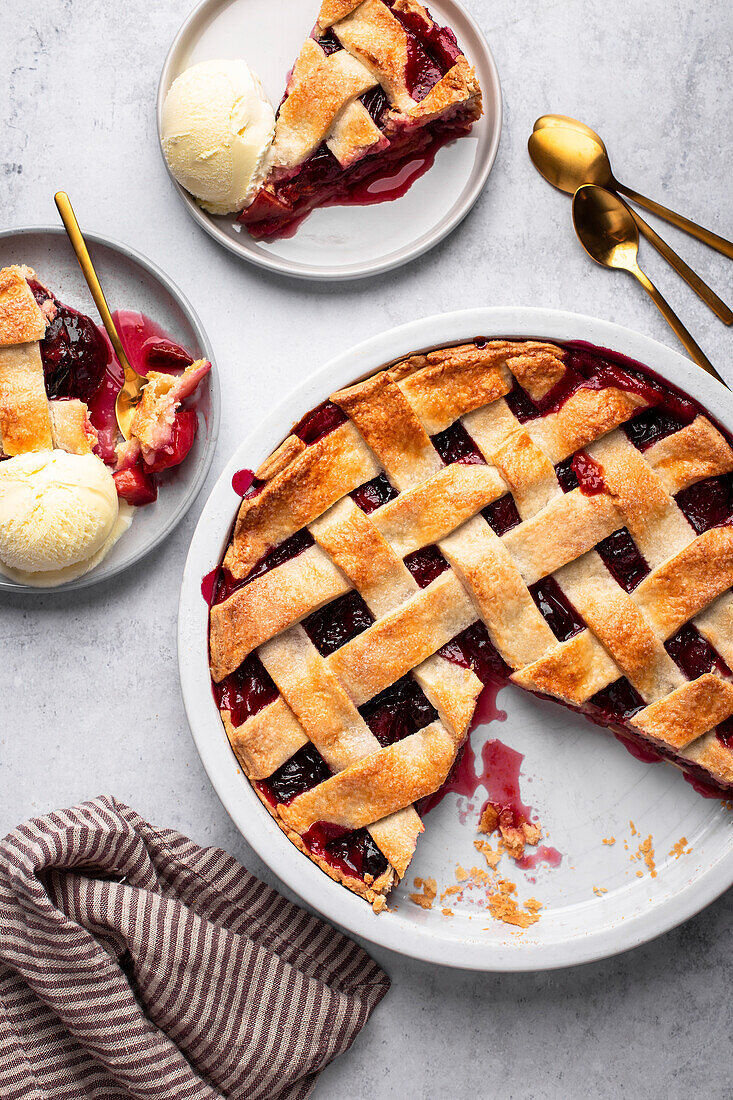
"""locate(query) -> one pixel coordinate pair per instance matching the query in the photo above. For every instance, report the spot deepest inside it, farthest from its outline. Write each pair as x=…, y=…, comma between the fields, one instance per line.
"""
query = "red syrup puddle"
x=464, y=778
x=148, y=348
x=208, y=586
x=704, y=789
x=242, y=481
x=645, y=753
x=544, y=854
x=589, y=474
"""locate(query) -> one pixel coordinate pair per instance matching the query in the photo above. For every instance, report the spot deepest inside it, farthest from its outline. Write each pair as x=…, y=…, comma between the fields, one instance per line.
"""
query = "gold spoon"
x=607, y=231
x=570, y=149
x=129, y=395
x=550, y=143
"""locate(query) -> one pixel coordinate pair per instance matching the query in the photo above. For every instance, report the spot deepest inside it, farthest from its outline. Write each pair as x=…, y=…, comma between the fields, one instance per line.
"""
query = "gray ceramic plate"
x=130, y=282
x=340, y=242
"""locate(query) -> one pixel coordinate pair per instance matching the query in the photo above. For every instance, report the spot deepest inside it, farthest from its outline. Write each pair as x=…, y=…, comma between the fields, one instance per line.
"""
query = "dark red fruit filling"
x=566, y=475
x=557, y=611
x=329, y=43
x=650, y=426
x=473, y=649
x=148, y=347
x=382, y=176
x=303, y=771
x=426, y=564
x=376, y=103
x=185, y=424
x=352, y=853
x=724, y=733
x=319, y=422
x=438, y=44
x=456, y=445
x=74, y=354
x=614, y=703
x=501, y=515
x=136, y=486
x=337, y=623
x=709, y=503
x=694, y=654
x=623, y=560
x=287, y=550
x=589, y=474
x=373, y=494
x=245, y=691
x=398, y=711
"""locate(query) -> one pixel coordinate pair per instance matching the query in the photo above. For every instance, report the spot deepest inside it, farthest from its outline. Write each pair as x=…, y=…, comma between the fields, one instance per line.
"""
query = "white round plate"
x=130, y=282
x=581, y=782
x=340, y=242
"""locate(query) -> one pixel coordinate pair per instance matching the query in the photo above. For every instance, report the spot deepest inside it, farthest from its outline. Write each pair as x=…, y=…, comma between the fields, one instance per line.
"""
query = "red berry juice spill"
x=639, y=750
x=148, y=346
x=500, y=777
x=703, y=788
x=544, y=854
x=208, y=586
x=242, y=481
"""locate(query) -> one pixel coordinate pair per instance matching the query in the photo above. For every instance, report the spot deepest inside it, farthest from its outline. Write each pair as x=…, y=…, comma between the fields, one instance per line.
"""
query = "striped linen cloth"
x=135, y=964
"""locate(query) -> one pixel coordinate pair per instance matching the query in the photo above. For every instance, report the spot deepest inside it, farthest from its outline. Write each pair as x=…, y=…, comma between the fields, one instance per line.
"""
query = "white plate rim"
x=92, y=577
x=242, y=804
x=325, y=273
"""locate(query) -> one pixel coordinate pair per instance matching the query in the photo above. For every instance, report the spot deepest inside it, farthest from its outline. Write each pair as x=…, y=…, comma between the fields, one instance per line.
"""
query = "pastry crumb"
x=461, y=873
x=447, y=912
x=646, y=852
x=633, y=828
x=492, y=857
x=599, y=891
x=609, y=840
x=679, y=848
x=504, y=907
x=515, y=835
x=429, y=889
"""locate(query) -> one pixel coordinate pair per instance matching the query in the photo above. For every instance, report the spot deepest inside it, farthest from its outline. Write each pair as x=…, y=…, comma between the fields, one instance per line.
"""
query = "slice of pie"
x=377, y=89
x=550, y=516
x=58, y=384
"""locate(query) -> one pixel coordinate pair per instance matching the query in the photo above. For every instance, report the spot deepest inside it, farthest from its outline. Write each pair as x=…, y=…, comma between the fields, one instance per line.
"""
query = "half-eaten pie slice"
x=554, y=517
x=377, y=89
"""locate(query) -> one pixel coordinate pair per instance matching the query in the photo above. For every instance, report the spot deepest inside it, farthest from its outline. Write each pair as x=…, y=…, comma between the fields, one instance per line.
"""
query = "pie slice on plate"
x=377, y=89
x=550, y=516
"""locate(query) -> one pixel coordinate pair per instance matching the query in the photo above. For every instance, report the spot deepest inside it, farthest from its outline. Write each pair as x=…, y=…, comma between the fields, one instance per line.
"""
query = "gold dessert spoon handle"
x=720, y=244
x=693, y=349
x=693, y=280
x=129, y=395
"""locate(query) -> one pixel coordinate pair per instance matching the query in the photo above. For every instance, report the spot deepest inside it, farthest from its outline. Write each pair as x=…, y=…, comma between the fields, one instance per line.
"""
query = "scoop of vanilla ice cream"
x=56, y=510
x=217, y=125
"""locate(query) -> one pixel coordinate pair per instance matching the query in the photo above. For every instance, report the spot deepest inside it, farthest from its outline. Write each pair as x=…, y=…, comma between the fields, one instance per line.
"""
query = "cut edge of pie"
x=479, y=511
x=376, y=87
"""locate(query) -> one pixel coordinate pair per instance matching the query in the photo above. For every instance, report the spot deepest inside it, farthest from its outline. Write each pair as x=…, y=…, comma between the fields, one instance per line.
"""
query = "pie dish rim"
x=401, y=933
x=250, y=250
x=196, y=476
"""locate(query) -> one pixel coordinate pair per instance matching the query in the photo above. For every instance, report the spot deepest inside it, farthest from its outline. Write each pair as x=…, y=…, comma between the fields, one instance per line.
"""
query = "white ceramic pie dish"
x=584, y=786
x=339, y=242
x=132, y=282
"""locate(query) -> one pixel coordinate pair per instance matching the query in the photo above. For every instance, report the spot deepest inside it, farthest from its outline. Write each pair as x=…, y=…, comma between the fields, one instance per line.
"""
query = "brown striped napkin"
x=135, y=964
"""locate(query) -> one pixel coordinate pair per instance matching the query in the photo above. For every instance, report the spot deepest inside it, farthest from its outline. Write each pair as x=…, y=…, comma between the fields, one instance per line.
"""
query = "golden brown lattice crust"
x=394, y=418
x=21, y=320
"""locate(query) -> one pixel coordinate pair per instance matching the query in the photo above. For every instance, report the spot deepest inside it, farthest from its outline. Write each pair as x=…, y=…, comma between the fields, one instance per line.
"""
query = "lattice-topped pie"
x=552, y=516
x=377, y=89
